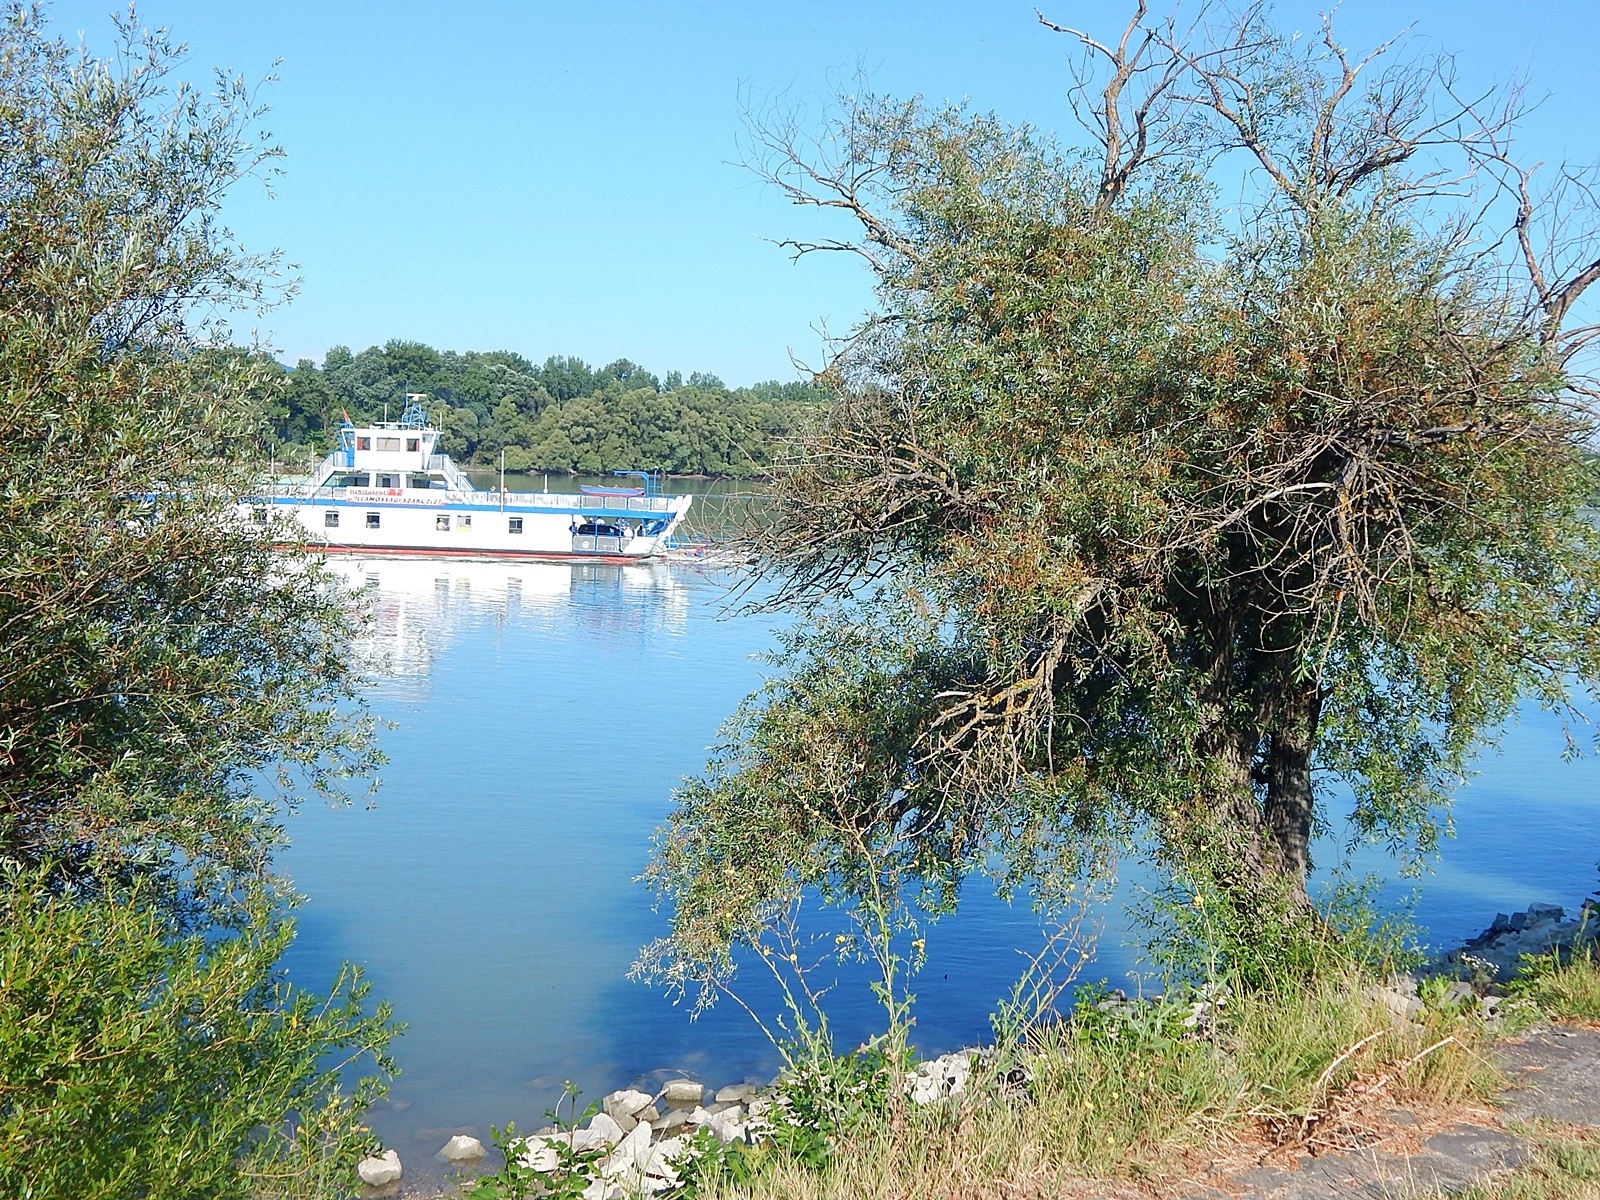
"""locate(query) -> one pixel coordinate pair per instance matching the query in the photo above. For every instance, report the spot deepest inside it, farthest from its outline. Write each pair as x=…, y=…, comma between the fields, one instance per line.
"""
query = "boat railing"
x=617, y=504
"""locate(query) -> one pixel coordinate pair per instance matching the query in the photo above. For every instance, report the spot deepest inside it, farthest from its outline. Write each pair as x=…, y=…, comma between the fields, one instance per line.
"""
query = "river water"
x=542, y=715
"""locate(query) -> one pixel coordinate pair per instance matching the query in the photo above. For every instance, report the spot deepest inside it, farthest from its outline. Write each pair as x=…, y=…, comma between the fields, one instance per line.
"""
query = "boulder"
x=380, y=1169
x=1403, y=1005
x=736, y=1093
x=631, y=1153
x=676, y=1118
x=626, y=1102
x=462, y=1148
x=539, y=1154
x=727, y=1125
x=540, y=1150
x=683, y=1093
x=938, y=1078
x=648, y=1115
x=636, y=1167
x=603, y=1124
x=1458, y=992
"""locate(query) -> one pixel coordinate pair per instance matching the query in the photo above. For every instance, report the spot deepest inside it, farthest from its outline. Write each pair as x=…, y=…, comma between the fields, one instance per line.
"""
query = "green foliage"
x=156, y=658
x=138, y=1059
x=167, y=679
x=572, y=1174
x=1153, y=505
x=563, y=416
x=1564, y=985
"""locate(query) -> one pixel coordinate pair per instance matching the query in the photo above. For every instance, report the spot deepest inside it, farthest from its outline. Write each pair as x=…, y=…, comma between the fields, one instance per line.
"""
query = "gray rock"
x=1556, y=1076
x=736, y=1093
x=380, y=1169
x=1450, y=1161
x=727, y=1126
x=462, y=1148
x=938, y=1078
x=626, y=1102
x=1458, y=992
x=603, y=1124
x=676, y=1118
x=683, y=1093
x=648, y=1115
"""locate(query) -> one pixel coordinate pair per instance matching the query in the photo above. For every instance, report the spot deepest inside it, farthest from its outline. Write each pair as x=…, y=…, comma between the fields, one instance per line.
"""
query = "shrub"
x=138, y=1059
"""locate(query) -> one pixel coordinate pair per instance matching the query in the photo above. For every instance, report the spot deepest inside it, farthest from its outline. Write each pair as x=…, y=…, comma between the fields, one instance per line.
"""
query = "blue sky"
x=559, y=178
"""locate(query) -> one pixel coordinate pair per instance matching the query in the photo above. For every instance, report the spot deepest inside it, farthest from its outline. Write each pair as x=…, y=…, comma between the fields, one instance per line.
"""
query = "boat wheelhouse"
x=385, y=490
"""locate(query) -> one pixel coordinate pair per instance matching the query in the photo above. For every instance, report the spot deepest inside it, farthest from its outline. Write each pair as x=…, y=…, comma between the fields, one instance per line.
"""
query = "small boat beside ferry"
x=385, y=490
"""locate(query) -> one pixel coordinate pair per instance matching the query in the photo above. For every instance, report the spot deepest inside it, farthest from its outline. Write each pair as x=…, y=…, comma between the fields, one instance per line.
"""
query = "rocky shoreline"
x=640, y=1142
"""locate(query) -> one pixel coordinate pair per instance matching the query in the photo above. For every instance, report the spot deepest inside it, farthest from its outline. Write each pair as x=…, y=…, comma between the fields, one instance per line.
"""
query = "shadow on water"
x=544, y=713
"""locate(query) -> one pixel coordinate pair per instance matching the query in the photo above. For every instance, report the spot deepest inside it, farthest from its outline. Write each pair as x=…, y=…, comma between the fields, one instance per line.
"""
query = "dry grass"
x=1139, y=1113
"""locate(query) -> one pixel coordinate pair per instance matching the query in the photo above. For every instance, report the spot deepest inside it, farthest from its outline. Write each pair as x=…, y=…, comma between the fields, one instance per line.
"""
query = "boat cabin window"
x=373, y=520
x=412, y=445
x=442, y=522
x=388, y=443
x=594, y=529
x=359, y=480
x=363, y=443
x=463, y=520
x=258, y=515
x=514, y=525
x=330, y=519
x=387, y=481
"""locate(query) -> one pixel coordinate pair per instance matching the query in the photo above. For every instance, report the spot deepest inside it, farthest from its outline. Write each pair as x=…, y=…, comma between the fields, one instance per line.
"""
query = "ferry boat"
x=384, y=490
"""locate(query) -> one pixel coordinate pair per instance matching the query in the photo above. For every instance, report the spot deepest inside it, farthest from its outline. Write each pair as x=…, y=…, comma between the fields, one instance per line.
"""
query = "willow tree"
x=159, y=662
x=1185, y=472
x=158, y=659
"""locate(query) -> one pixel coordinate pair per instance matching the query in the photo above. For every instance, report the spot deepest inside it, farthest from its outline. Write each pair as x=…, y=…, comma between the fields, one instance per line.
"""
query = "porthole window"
x=463, y=520
x=442, y=522
x=373, y=520
x=330, y=519
x=515, y=524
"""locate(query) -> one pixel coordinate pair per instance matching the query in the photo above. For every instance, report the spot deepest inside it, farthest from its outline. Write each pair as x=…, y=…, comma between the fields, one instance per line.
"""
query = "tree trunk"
x=1289, y=801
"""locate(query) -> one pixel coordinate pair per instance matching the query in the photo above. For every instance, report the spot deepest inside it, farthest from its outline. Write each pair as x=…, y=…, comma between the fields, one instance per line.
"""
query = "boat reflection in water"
x=417, y=607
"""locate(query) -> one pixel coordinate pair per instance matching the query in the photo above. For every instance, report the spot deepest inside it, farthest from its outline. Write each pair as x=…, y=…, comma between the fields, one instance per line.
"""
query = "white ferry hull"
x=383, y=490
x=529, y=525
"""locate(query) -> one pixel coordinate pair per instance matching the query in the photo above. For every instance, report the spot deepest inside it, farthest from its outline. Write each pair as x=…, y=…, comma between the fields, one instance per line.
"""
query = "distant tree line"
x=564, y=416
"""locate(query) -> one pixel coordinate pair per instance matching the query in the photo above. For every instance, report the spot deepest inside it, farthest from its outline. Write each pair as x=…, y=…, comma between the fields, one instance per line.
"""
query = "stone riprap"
x=1496, y=953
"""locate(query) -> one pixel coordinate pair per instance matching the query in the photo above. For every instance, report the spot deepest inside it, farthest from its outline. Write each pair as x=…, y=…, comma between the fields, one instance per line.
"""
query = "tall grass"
x=1130, y=1097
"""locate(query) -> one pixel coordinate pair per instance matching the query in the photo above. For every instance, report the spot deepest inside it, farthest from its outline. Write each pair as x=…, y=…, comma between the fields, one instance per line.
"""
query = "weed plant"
x=1563, y=984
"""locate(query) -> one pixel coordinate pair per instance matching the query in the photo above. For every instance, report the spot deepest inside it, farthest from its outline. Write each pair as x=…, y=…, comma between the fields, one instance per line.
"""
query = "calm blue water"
x=543, y=714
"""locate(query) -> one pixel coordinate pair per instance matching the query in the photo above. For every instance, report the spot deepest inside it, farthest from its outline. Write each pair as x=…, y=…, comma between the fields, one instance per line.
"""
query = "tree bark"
x=1289, y=802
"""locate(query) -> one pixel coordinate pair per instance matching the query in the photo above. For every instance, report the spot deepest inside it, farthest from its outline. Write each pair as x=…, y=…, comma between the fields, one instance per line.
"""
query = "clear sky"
x=559, y=179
